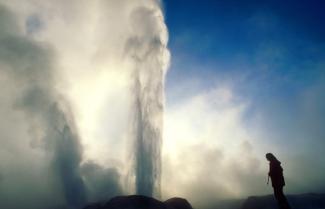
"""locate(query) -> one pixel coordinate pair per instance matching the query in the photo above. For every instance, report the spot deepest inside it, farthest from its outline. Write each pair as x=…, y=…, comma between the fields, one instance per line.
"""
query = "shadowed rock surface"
x=303, y=201
x=140, y=202
x=177, y=203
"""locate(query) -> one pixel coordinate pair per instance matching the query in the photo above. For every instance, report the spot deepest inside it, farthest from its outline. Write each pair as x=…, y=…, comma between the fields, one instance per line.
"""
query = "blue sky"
x=272, y=50
x=236, y=36
x=272, y=56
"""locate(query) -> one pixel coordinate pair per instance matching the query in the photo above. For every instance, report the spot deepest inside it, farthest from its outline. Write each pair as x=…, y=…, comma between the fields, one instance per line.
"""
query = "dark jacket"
x=276, y=173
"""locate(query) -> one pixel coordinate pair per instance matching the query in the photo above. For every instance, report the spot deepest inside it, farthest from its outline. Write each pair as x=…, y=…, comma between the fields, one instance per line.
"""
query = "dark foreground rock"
x=178, y=203
x=140, y=202
x=303, y=201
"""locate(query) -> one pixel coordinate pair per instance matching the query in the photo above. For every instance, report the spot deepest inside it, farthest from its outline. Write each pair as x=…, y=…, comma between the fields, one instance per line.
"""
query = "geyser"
x=49, y=119
x=147, y=47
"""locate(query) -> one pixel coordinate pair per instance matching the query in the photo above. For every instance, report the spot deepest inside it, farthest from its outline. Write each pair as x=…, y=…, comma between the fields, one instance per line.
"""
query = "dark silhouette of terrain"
x=140, y=202
x=302, y=201
x=178, y=203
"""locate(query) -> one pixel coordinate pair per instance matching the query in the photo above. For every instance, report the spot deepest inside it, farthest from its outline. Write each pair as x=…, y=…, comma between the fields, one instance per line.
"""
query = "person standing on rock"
x=276, y=175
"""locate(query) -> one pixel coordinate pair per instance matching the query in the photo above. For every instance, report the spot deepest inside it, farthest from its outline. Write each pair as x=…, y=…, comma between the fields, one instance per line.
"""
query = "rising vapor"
x=147, y=47
x=46, y=68
x=29, y=64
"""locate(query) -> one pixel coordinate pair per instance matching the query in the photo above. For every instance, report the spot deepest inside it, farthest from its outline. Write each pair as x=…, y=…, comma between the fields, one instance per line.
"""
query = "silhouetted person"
x=276, y=174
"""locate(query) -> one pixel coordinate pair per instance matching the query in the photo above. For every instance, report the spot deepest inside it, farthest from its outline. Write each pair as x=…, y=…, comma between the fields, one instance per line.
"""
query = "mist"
x=45, y=113
x=148, y=49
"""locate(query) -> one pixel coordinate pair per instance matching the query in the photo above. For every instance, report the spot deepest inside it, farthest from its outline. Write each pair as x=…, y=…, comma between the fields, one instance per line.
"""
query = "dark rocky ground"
x=140, y=202
x=303, y=201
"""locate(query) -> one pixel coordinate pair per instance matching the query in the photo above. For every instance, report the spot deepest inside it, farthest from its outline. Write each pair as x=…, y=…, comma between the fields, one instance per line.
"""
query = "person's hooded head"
x=270, y=157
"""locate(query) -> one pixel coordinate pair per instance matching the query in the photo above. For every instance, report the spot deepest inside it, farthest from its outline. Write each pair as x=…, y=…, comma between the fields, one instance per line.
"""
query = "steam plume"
x=147, y=47
x=30, y=65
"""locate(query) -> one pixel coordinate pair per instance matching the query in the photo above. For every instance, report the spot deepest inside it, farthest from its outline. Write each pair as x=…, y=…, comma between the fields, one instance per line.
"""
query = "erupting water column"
x=147, y=48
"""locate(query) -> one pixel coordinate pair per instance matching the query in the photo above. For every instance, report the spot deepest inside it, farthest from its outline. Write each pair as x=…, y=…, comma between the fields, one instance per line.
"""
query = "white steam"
x=147, y=47
x=70, y=71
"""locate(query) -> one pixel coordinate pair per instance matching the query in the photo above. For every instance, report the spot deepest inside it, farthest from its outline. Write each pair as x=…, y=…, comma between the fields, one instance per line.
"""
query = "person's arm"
x=269, y=174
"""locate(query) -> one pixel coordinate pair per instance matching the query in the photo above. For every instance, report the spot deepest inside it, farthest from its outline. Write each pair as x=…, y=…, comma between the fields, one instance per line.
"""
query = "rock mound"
x=178, y=203
x=140, y=202
x=303, y=201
